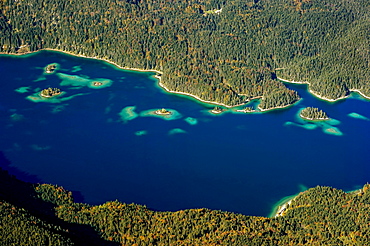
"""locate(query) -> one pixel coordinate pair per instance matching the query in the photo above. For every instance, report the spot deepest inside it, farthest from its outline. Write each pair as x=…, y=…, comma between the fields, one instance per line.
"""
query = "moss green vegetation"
x=47, y=215
x=229, y=57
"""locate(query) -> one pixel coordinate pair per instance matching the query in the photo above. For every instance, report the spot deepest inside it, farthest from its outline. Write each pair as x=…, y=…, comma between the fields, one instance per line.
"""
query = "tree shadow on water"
x=18, y=189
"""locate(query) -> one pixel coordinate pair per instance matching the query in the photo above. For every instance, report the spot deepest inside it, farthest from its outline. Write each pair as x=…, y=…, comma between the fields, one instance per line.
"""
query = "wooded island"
x=310, y=113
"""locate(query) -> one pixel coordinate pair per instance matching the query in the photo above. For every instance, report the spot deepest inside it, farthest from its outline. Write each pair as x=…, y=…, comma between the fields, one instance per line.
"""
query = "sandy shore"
x=196, y=97
x=269, y=109
x=316, y=94
x=359, y=92
x=133, y=69
x=282, y=208
x=312, y=119
x=185, y=93
x=85, y=56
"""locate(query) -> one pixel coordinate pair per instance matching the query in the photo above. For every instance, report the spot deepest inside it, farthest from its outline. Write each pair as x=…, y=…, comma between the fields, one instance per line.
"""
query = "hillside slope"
x=222, y=51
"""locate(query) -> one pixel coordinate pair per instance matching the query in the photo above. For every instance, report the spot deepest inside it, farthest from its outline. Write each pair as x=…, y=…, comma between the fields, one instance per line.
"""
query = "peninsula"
x=217, y=110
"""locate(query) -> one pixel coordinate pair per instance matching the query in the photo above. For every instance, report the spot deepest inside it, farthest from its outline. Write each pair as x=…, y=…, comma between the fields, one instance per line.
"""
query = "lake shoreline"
x=156, y=76
x=316, y=94
x=284, y=206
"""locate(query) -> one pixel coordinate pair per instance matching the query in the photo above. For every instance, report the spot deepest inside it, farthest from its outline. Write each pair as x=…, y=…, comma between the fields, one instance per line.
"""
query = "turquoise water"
x=105, y=143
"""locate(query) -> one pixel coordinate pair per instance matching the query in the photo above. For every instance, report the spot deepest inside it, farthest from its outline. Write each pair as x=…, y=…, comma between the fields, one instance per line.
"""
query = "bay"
x=104, y=143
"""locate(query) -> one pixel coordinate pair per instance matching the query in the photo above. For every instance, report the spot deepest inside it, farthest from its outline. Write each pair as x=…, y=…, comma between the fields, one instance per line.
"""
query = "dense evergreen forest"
x=218, y=50
x=311, y=113
x=44, y=214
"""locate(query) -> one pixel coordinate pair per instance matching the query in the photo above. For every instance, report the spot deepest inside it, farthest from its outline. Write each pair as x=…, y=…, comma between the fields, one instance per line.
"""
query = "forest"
x=227, y=52
x=311, y=113
x=45, y=214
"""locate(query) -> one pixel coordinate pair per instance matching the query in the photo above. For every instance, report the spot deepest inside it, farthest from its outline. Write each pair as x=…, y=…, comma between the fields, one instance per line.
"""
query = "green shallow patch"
x=174, y=115
x=56, y=99
x=128, y=113
x=16, y=117
x=327, y=126
x=39, y=147
x=307, y=126
x=76, y=69
x=282, y=204
x=332, y=130
x=23, y=89
x=58, y=108
x=358, y=116
x=191, y=121
x=79, y=81
x=332, y=122
x=141, y=133
x=176, y=131
x=41, y=78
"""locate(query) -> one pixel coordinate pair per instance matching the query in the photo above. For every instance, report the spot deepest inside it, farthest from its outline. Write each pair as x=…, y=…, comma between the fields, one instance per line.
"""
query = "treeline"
x=227, y=57
x=19, y=227
x=318, y=216
x=28, y=217
x=311, y=113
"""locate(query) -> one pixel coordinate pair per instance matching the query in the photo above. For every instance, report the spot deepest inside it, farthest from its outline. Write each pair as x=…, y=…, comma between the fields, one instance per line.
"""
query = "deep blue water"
x=242, y=163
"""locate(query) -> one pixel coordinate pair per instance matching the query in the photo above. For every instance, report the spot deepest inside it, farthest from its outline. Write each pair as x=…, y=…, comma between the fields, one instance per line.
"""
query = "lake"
x=101, y=140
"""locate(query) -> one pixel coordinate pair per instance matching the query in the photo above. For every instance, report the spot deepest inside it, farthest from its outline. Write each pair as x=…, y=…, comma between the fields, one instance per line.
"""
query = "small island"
x=217, y=110
x=310, y=113
x=51, y=68
x=50, y=92
x=96, y=83
x=162, y=112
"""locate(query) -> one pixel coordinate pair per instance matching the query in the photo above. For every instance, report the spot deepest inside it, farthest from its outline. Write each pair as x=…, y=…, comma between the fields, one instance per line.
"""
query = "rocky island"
x=162, y=112
x=50, y=92
x=310, y=113
x=51, y=68
x=96, y=83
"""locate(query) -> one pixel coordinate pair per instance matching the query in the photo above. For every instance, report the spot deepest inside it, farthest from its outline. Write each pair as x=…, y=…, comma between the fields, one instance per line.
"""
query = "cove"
x=106, y=144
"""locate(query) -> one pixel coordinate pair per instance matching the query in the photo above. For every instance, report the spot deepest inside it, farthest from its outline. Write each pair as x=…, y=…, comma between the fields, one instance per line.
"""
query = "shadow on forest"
x=22, y=194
